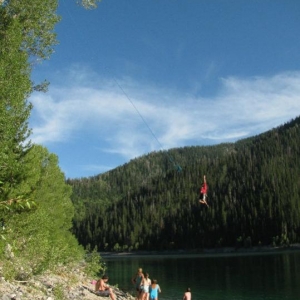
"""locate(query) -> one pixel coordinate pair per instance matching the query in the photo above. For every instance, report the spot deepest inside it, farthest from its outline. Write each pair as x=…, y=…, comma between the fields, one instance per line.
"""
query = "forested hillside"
x=254, y=197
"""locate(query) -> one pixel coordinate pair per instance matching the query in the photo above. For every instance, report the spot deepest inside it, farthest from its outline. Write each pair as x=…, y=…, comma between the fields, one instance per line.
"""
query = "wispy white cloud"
x=149, y=118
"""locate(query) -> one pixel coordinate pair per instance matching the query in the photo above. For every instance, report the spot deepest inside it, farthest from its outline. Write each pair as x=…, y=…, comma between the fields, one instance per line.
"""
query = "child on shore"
x=145, y=284
x=154, y=289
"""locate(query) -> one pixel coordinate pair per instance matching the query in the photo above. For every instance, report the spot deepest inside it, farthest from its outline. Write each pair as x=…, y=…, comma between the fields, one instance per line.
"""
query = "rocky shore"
x=73, y=284
x=65, y=284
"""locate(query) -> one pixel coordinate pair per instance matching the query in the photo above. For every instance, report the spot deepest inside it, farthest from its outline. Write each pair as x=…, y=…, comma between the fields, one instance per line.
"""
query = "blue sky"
x=137, y=76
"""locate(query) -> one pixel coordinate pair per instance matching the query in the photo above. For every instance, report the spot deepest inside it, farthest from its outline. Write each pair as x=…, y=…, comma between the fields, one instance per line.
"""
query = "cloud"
x=131, y=119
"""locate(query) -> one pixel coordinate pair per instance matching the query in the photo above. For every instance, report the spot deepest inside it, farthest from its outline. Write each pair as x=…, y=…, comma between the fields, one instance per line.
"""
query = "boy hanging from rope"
x=203, y=192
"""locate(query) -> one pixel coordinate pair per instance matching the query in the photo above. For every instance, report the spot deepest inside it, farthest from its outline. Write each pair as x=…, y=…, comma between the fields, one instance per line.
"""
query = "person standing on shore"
x=145, y=284
x=137, y=280
x=154, y=289
x=187, y=295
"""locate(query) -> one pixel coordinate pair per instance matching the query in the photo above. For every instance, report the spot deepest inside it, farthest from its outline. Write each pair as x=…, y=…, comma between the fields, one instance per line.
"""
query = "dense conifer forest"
x=150, y=204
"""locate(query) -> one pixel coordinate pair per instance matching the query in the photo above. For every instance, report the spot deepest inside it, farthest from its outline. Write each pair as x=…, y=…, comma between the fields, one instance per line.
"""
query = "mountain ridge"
x=254, y=199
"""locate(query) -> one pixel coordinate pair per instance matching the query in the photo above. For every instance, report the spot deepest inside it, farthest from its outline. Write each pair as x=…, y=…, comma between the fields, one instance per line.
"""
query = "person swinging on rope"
x=203, y=192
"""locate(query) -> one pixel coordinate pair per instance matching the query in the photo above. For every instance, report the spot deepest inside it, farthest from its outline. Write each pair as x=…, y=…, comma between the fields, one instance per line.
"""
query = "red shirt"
x=203, y=188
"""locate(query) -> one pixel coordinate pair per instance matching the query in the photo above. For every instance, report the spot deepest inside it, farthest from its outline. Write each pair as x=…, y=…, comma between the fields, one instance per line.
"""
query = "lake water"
x=267, y=276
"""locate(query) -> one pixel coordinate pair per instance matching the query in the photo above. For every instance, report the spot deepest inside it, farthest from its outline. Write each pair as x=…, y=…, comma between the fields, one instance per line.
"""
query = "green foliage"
x=94, y=264
x=37, y=19
x=254, y=194
x=29, y=175
x=35, y=207
x=59, y=292
x=47, y=227
x=14, y=110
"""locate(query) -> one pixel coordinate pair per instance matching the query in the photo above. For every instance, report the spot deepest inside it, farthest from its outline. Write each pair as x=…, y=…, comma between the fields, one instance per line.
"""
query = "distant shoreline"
x=226, y=251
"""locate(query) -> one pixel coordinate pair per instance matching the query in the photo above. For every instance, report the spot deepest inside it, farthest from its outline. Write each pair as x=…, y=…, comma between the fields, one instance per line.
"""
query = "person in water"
x=145, y=284
x=187, y=295
x=137, y=280
x=203, y=192
x=154, y=289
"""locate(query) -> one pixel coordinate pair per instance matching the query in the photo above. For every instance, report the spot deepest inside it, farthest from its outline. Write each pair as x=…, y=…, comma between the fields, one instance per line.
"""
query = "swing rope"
x=177, y=166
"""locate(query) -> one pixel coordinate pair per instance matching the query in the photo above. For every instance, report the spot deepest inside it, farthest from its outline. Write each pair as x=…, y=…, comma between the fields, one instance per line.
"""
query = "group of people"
x=145, y=287
x=148, y=289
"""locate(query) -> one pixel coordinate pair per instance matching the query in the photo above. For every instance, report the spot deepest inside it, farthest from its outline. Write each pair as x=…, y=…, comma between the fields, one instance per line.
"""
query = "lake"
x=263, y=276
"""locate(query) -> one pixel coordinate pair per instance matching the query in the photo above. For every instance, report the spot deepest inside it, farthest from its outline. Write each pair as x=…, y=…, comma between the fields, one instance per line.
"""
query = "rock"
x=73, y=283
